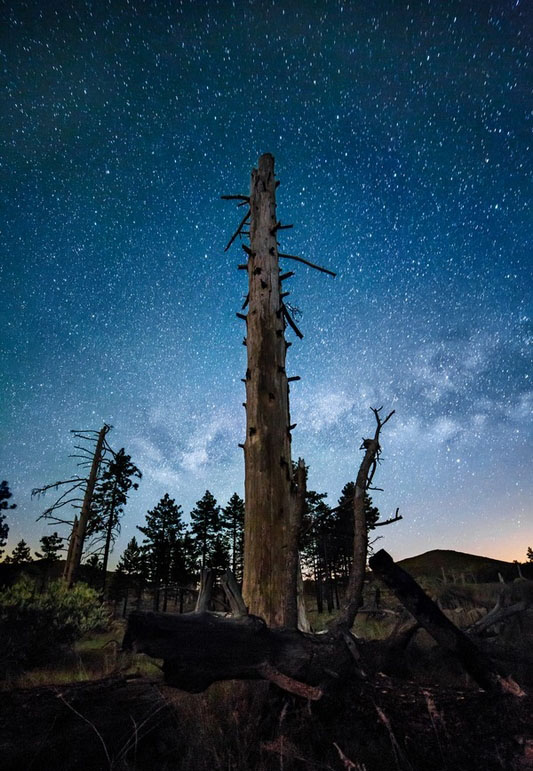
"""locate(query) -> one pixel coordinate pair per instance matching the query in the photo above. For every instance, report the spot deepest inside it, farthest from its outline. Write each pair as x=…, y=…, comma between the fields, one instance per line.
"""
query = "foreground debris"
x=384, y=724
x=201, y=648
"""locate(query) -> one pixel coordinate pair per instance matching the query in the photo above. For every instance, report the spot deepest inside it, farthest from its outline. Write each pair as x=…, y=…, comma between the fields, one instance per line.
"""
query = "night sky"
x=401, y=133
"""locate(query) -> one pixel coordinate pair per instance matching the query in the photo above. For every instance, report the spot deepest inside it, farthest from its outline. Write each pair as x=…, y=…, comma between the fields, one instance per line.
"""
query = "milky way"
x=401, y=133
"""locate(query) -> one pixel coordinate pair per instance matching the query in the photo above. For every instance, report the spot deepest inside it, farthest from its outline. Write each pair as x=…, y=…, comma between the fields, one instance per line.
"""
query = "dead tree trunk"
x=109, y=537
x=71, y=541
x=78, y=532
x=270, y=534
x=200, y=648
x=354, y=591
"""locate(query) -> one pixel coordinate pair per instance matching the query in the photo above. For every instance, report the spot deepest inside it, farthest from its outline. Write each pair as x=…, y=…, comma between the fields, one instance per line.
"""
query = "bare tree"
x=272, y=502
x=78, y=494
x=201, y=647
x=363, y=482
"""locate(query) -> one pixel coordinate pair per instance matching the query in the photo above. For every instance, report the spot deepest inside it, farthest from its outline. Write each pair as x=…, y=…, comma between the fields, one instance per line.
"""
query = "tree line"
x=171, y=552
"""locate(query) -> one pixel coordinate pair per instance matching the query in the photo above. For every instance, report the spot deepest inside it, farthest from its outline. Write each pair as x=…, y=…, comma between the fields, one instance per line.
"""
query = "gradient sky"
x=402, y=134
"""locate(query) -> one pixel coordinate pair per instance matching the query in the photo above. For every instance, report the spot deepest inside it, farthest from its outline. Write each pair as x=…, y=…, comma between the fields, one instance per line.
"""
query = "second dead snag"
x=365, y=475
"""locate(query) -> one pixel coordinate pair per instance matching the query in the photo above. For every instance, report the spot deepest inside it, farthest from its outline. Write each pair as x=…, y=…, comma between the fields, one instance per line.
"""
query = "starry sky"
x=401, y=133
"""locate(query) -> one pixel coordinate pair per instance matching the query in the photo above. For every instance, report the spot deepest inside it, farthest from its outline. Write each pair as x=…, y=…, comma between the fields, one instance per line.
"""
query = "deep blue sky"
x=402, y=135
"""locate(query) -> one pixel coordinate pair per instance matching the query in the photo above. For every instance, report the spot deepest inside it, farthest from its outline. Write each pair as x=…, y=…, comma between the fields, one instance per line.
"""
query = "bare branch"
x=237, y=232
x=306, y=262
x=42, y=490
x=289, y=684
x=279, y=226
x=496, y=615
x=291, y=323
x=235, y=197
x=396, y=518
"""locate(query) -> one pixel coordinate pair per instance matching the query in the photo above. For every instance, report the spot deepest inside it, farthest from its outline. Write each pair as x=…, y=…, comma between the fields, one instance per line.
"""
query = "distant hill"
x=456, y=564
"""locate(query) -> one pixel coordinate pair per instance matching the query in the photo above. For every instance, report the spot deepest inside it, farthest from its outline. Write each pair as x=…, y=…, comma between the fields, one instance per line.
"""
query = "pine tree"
x=131, y=571
x=5, y=495
x=343, y=527
x=183, y=565
x=529, y=554
x=94, y=562
x=20, y=554
x=219, y=554
x=163, y=530
x=233, y=525
x=206, y=524
x=132, y=562
x=50, y=545
x=109, y=499
x=316, y=546
x=183, y=562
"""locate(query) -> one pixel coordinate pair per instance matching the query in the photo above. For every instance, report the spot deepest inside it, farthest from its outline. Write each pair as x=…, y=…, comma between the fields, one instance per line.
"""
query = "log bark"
x=199, y=649
x=270, y=542
x=205, y=593
x=478, y=665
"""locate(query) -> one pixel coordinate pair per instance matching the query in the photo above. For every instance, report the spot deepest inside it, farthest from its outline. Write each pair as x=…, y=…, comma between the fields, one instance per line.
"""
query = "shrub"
x=34, y=627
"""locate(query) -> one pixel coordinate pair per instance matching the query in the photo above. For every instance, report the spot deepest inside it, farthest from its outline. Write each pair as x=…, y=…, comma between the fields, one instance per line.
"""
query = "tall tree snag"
x=270, y=541
x=79, y=528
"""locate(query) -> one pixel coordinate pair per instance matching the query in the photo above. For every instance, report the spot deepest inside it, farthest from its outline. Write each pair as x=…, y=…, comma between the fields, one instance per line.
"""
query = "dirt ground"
x=367, y=726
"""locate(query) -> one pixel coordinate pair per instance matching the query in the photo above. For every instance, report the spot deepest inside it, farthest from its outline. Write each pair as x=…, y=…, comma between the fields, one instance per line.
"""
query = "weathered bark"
x=205, y=593
x=71, y=541
x=199, y=649
x=233, y=594
x=270, y=537
x=109, y=536
x=432, y=619
x=78, y=532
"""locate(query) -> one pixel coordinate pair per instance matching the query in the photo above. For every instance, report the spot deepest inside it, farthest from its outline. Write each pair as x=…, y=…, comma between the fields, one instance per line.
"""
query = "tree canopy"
x=5, y=495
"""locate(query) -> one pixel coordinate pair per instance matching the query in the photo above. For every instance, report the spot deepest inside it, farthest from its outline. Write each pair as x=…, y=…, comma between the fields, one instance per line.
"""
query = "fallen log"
x=478, y=665
x=200, y=648
x=496, y=615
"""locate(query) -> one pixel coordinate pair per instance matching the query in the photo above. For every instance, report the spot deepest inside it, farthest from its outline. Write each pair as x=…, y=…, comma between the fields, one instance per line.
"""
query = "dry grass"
x=92, y=658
